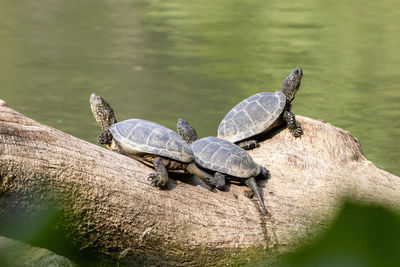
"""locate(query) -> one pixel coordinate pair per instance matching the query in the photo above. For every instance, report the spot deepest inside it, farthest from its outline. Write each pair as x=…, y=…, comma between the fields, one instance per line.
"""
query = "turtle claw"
x=296, y=131
x=299, y=130
x=157, y=180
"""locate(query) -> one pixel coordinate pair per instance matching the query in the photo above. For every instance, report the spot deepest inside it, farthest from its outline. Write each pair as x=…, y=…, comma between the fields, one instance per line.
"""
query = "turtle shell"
x=252, y=116
x=225, y=157
x=136, y=136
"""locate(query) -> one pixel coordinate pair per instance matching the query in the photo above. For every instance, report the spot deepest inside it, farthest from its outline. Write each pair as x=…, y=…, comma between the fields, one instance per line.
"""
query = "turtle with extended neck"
x=261, y=112
x=147, y=142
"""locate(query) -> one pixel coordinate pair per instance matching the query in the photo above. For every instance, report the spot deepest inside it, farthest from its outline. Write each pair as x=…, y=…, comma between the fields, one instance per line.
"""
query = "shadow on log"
x=109, y=208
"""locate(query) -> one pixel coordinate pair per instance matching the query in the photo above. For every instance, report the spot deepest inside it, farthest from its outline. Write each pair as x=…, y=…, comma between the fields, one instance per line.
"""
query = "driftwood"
x=109, y=208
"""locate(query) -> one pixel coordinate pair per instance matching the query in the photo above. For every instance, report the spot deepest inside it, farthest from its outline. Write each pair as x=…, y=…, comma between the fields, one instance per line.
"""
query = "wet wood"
x=109, y=208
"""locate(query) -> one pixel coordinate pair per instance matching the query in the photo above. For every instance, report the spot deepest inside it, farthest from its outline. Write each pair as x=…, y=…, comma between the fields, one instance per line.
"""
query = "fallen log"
x=109, y=208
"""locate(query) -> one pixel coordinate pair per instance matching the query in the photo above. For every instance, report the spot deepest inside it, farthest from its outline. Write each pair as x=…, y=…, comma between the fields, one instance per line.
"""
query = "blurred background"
x=161, y=60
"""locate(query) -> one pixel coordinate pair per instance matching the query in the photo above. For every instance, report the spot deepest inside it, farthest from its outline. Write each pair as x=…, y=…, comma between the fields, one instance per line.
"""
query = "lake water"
x=161, y=60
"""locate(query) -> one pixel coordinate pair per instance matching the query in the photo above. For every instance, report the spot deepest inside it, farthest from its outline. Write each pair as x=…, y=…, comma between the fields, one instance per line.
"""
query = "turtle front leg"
x=293, y=125
x=105, y=138
x=220, y=180
x=248, y=144
x=159, y=178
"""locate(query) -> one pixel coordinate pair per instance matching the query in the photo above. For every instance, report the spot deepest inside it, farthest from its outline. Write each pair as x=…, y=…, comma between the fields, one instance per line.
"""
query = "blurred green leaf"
x=15, y=253
x=360, y=236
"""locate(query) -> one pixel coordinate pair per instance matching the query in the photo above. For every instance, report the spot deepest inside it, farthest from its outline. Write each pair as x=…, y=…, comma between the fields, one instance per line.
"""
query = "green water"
x=161, y=60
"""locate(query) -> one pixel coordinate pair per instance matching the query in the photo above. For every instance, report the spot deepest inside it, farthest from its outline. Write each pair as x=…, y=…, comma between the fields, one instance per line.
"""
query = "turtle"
x=148, y=142
x=224, y=158
x=261, y=112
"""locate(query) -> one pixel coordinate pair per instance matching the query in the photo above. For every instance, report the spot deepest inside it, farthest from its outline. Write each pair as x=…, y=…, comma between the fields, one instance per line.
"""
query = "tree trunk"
x=109, y=208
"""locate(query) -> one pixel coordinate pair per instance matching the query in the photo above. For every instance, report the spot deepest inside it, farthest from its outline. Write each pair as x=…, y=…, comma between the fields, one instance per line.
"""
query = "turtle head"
x=292, y=83
x=102, y=111
x=186, y=131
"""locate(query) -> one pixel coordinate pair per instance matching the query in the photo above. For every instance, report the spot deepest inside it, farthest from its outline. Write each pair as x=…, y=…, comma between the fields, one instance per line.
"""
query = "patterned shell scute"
x=252, y=116
x=222, y=156
x=136, y=136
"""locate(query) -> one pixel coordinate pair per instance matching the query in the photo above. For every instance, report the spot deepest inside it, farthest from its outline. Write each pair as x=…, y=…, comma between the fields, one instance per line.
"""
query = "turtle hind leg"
x=264, y=173
x=251, y=182
x=248, y=144
x=159, y=178
x=205, y=177
x=293, y=125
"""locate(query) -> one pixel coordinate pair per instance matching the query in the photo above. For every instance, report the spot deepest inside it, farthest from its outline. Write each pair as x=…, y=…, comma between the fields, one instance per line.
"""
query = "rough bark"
x=108, y=206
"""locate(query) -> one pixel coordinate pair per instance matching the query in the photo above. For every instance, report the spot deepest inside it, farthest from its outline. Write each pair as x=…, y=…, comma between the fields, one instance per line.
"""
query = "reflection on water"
x=161, y=60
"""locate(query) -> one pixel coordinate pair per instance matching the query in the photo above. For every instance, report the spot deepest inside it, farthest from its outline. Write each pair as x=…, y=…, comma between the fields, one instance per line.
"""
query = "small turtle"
x=224, y=159
x=147, y=142
x=261, y=112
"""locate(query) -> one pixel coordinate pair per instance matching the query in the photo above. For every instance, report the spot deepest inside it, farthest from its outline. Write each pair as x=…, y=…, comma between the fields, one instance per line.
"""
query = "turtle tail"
x=251, y=182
